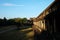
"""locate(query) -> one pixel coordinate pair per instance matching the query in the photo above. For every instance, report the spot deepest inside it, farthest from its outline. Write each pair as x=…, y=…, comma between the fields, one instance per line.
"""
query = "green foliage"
x=5, y=19
x=24, y=20
x=15, y=21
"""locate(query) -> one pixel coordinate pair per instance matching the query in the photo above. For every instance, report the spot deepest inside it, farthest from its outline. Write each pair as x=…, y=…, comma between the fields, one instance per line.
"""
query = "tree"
x=24, y=20
x=11, y=21
x=1, y=22
x=5, y=21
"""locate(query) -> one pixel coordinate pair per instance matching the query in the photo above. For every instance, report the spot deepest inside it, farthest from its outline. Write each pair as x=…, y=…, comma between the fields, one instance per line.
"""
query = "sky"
x=22, y=8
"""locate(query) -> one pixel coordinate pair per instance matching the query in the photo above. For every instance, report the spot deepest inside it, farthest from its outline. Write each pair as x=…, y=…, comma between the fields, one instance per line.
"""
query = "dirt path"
x=24, y=34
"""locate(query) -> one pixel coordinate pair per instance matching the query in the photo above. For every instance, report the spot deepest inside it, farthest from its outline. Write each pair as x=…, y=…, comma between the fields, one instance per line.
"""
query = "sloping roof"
x=41, y=15
x=46, y=9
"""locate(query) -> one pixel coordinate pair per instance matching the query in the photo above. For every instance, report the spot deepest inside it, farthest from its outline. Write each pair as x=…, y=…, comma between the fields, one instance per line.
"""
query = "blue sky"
x=22, y=8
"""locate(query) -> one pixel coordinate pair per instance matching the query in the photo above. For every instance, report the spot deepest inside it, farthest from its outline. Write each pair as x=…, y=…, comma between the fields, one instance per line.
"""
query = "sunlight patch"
x=26, y=29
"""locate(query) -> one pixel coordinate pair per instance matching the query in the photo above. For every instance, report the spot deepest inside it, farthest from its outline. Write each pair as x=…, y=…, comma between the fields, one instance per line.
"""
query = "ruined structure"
x=49, y=19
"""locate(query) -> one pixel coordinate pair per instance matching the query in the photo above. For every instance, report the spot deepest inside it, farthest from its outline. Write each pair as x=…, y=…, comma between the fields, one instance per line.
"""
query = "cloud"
x=9, y=4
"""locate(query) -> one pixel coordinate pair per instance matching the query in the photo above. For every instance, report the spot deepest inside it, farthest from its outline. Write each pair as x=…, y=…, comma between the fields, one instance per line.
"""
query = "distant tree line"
x=15, y=21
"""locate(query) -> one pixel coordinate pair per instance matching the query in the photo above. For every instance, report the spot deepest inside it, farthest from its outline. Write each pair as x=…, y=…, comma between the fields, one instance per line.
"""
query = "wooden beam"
x=57, y=0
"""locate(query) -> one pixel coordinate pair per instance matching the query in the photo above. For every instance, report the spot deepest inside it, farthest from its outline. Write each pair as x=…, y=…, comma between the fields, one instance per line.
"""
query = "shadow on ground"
x=24, y=34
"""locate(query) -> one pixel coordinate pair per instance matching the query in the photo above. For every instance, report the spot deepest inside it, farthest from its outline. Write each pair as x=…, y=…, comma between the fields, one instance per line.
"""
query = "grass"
x=6, y=27
x=23, y=34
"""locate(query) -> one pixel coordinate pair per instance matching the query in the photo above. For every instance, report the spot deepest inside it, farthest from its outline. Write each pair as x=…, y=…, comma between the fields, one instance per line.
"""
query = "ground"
x=23, y=34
